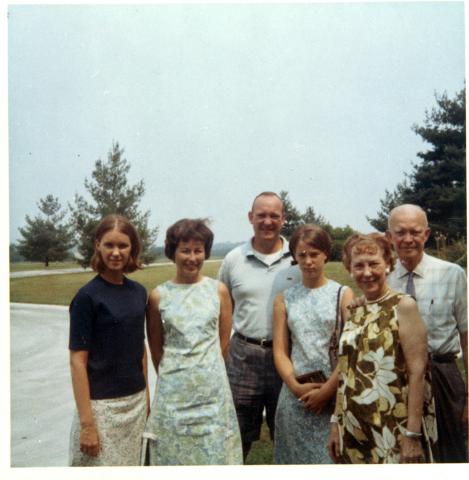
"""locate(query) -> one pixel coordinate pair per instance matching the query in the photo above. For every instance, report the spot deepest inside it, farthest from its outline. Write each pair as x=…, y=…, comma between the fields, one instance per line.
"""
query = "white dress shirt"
x=441, y=291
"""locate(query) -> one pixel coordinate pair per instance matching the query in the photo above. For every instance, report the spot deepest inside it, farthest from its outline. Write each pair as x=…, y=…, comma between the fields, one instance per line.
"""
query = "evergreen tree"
x=111, y=193
x=438, y=182
x=292, y=215
x=46, y=237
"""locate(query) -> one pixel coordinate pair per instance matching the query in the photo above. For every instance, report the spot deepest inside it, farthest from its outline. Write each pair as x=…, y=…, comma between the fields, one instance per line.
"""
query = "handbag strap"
x=339, y=324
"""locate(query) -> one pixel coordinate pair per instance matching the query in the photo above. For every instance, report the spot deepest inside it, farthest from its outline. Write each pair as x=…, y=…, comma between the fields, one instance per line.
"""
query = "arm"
x=224, y=318
x=315, y=400
x=145, y=374
x=460, y=313
x=463, y=340
x=282, y=359
x=89, y=439
x=413, y=338
x=154, y=328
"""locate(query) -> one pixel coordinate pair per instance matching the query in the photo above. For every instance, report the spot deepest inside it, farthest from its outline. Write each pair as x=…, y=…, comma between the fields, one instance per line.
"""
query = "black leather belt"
x=263, y=343
x=444, y=358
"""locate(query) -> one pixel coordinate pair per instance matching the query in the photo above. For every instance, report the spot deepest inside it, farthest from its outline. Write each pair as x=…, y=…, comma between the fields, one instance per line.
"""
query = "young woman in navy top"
x=107, y=353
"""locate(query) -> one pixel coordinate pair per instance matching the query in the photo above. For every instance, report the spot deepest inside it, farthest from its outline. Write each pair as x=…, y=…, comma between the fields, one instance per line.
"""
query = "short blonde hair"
x=367, y=243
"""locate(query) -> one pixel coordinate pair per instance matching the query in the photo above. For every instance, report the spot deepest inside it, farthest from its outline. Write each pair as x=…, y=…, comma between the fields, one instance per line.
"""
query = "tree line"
x=437, y=183
x=49, y=236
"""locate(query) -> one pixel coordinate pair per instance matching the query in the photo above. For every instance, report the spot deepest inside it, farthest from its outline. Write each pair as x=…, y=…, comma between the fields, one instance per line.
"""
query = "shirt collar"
x=419, y=270
x=249, y=250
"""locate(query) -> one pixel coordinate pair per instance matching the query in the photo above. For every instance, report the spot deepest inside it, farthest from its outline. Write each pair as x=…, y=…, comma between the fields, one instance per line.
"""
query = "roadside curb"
x=35, y=306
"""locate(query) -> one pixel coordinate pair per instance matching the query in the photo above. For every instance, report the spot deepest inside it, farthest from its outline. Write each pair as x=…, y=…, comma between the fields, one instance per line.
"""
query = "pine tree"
x=438, y=182
x=110, y=193
x=46, y=238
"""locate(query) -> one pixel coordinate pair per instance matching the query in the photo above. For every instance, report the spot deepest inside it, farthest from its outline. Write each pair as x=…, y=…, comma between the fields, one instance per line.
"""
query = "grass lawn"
x=60, y=289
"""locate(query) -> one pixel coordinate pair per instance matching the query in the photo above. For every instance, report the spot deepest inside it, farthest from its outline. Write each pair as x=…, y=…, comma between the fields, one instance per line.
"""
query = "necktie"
x=410, y=287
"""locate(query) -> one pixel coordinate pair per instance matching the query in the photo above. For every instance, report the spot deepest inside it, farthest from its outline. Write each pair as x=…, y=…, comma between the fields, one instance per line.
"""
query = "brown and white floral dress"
x=373, y=387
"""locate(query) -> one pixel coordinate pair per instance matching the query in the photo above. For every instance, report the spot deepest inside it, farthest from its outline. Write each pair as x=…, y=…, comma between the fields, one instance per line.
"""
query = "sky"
x=215, y=103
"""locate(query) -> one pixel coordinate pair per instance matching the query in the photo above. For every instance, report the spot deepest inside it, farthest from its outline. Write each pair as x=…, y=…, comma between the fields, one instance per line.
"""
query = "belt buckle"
x=263, y=342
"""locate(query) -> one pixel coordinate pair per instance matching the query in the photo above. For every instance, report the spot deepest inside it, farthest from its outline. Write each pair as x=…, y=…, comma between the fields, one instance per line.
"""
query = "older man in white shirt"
x=440, y=289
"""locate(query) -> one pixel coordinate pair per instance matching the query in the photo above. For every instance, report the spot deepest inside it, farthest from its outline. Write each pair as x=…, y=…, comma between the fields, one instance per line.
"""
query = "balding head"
x=408, y=231
x=408, y=210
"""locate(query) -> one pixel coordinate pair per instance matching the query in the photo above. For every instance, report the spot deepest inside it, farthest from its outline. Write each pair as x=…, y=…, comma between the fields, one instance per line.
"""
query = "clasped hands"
x=312, y=397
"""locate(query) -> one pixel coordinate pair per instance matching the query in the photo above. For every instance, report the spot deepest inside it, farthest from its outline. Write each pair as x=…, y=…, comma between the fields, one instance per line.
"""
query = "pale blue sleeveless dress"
x=193, y=420
x=301, y=436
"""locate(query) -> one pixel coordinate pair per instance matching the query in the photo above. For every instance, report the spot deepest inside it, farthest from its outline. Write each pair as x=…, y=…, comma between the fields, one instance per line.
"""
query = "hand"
x=299, y=389
x=411, y=450
x=314, y=400
x=333, y=444
x=89, y=440
x=356, y=302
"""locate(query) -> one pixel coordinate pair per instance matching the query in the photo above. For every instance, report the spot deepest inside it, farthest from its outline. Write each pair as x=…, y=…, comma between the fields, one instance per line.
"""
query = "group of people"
x=344, y=379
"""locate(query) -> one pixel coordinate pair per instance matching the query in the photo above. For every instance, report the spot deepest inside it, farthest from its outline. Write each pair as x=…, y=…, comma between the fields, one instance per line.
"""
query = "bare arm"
x=226, y=310
x=89, y=439
x=154, y=328
x=413, y=338
x=145, y=374
x=282, y=359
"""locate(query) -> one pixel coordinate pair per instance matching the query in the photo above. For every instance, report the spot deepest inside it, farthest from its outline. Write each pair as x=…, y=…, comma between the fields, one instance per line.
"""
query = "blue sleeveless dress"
x=300, y=435
x=193, y=419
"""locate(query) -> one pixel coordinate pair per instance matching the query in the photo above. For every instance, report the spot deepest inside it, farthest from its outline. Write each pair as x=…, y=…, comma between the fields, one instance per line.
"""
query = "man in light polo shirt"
x=254, y=273
x=440, y=289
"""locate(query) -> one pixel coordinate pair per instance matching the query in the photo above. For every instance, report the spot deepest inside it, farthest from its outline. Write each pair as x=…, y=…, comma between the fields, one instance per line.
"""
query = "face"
x=408, y=233
x=267, y=217
x=189, y=258
x=369, y=272
x=114, y=248
x=310, y=260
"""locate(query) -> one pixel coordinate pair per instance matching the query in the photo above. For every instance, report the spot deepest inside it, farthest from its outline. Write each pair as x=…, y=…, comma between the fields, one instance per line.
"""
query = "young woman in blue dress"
x=306, y=316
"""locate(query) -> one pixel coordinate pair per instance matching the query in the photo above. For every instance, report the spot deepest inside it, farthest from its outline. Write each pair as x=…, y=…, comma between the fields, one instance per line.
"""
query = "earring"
x=387, y=271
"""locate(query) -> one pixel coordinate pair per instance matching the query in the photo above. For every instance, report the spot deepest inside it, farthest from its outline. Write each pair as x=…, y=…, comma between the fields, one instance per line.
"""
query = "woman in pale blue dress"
x=304, y=321
x=192, y=419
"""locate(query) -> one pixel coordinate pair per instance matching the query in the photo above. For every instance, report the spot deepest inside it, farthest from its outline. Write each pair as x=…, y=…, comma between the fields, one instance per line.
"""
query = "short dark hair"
x=367, y=243
x=123, y=225
x=268, y=194
x=188, y=229
x=312, y=235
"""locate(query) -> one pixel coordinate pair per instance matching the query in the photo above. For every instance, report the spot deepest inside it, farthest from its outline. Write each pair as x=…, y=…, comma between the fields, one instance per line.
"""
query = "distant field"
x=60, y=289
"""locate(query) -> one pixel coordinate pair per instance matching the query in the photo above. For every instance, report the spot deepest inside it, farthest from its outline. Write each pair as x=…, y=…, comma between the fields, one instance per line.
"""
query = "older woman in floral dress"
x=384, y=408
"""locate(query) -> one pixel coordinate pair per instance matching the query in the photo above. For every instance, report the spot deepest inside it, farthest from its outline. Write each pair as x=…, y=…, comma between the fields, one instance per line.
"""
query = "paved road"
x=41, y=394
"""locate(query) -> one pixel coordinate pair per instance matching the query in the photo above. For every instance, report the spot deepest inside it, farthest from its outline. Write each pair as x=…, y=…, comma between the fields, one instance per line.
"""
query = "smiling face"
x=408, y=231
x=311, y=262
x=267, y=218
x=368, y=269
x=114, y=247
x=189, y=259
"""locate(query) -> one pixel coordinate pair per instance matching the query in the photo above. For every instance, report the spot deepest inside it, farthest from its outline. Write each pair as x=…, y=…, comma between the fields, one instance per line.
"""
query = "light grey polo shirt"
x=253, y=285
x=441, y=291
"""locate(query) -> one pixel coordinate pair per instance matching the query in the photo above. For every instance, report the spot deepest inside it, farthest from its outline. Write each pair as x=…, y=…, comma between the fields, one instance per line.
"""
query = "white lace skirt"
x=120, y=423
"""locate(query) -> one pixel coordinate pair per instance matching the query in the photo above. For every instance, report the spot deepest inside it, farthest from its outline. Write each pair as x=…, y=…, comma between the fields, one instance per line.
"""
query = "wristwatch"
x=334, y=419
x=409, y=434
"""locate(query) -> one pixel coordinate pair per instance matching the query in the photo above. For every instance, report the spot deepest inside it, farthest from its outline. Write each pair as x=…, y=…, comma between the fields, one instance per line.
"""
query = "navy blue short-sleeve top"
x=108, y=321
